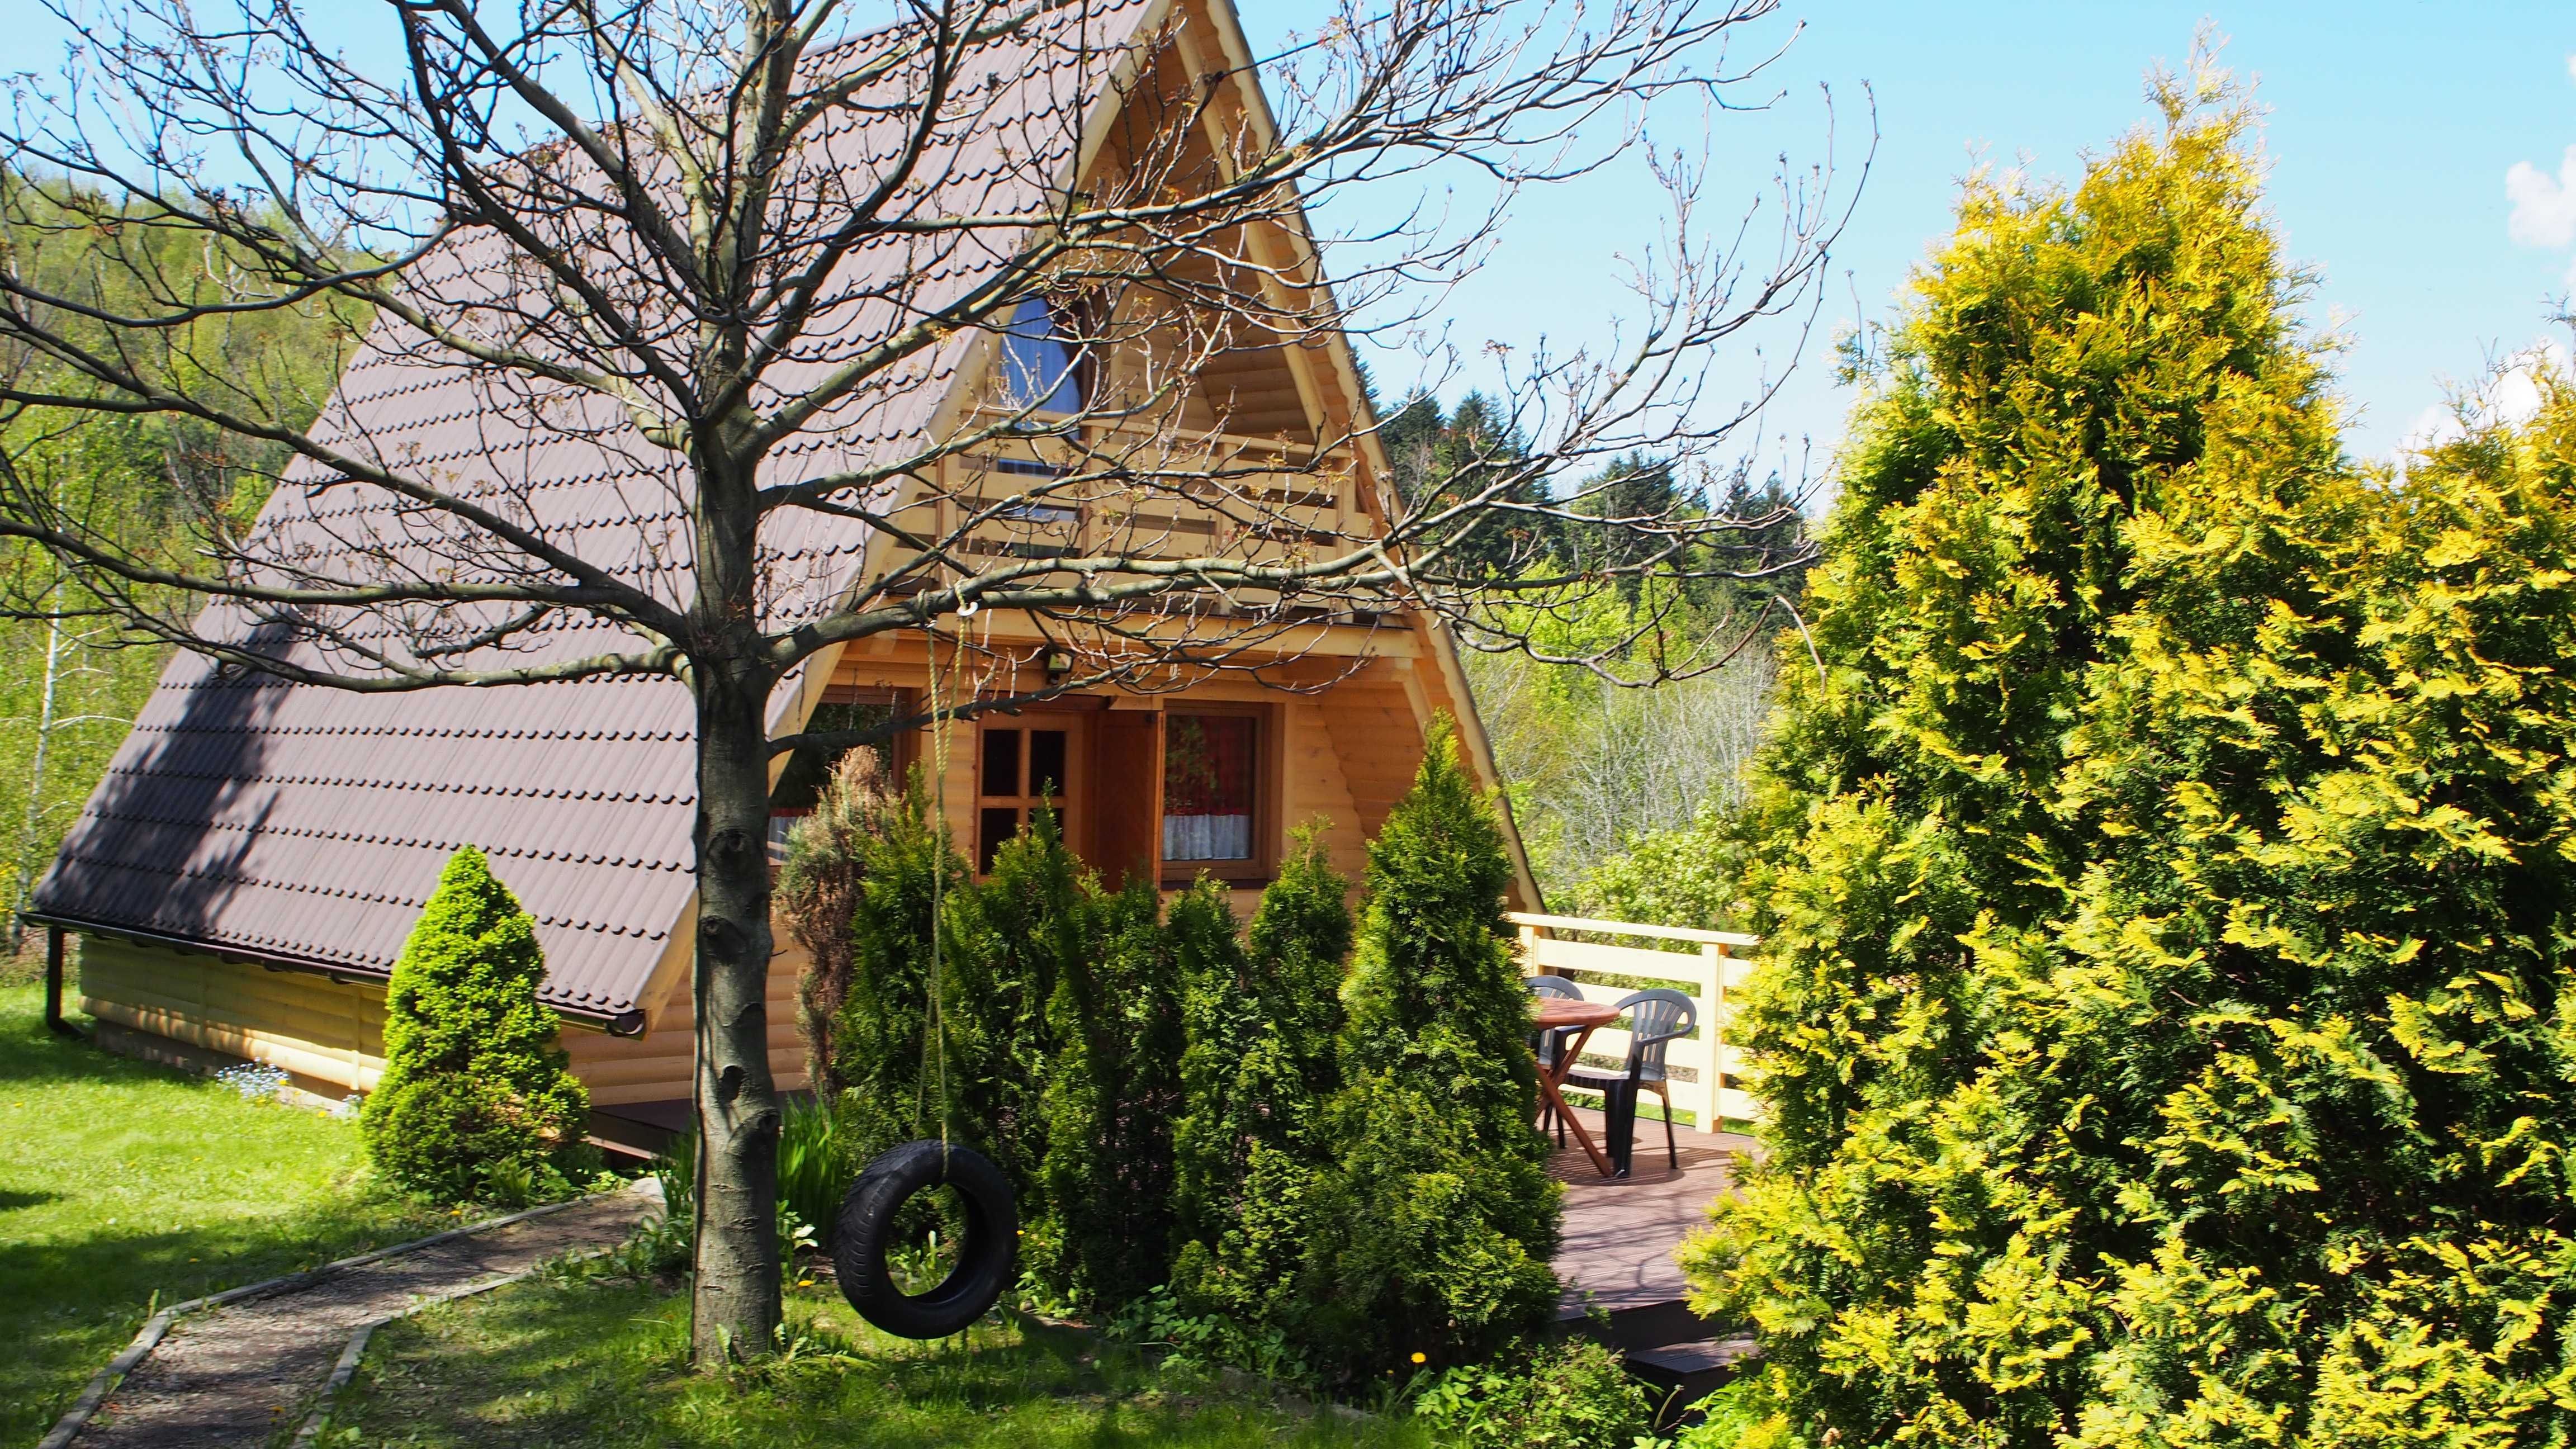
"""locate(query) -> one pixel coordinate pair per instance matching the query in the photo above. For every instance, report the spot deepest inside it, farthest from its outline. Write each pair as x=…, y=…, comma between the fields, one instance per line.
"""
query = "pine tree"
x=2165, y=896
x=1434, y=1233
x=473, y=1080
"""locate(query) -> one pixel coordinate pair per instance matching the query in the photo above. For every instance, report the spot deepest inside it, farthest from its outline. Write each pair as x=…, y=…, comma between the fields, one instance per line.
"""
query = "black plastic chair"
x=1655, y=1019
x=1551, y=1044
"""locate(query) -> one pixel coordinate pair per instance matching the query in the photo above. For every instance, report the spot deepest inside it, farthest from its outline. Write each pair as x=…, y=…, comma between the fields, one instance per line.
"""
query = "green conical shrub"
x=1263, y=1020
x=474, y=1085
x=1434, y=1232
x=892, y=1072
x=1113, y=1089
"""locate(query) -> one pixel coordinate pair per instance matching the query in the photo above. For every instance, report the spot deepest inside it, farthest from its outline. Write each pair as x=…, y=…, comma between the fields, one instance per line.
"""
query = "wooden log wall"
x=332, y=1034
x=324, y=1032
x=656, y=1066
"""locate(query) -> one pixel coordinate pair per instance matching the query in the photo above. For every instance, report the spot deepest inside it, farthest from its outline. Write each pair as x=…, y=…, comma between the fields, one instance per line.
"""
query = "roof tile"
x=312, y=823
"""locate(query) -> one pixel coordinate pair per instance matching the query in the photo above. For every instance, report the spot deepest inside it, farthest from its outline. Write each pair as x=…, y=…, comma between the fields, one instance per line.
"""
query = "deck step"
x=1683, y=1373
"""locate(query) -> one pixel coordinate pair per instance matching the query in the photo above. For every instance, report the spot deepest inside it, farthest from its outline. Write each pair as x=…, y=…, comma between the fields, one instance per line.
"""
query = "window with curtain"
x=1039, y=366
x=1209, y=786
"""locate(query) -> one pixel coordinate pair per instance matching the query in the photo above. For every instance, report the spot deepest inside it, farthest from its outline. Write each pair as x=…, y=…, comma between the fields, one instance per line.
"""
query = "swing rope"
x=938, y=1042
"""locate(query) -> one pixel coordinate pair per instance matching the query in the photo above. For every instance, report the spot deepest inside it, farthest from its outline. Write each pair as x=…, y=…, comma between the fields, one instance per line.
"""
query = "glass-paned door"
x=1022, y=767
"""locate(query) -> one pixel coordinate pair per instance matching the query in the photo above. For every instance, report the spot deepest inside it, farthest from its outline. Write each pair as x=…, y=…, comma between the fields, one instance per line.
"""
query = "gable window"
x=1212, y=791
x=1040, y=367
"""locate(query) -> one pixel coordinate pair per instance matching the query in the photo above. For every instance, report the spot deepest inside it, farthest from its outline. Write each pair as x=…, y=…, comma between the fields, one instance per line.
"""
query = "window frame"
x=1262, y=866
x=1072, y=805
x=1079, y=376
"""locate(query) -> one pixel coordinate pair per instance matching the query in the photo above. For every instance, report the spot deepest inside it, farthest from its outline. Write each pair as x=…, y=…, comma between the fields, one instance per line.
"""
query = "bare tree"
x=745, y=259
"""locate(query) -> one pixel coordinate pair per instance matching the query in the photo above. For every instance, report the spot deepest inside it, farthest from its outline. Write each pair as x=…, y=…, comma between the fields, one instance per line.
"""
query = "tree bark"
x=736, y=1305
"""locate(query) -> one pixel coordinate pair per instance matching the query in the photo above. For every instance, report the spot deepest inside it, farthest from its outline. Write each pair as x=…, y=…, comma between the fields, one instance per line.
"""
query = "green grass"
x=124, y=1185
x=603, y=1364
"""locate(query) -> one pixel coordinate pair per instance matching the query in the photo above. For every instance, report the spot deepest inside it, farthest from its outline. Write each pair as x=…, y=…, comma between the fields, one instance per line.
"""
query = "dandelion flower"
x=1420, y=1357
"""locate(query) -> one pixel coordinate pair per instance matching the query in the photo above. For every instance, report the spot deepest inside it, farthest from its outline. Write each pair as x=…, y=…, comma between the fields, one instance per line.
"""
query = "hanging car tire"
x=986, y=1262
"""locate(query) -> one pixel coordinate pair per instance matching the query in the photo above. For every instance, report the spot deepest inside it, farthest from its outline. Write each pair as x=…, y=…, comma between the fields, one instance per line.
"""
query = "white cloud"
x=2510, y=394
x=2544, y=206
x=2571, y=67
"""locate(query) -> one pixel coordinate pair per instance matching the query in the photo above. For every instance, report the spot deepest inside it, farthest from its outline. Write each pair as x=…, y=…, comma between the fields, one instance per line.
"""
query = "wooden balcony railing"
x=1705, y=1067
x=1248, y=514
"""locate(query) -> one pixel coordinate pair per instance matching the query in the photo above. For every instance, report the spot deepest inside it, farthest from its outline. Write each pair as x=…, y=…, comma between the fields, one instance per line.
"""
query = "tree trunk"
x=735, y=1310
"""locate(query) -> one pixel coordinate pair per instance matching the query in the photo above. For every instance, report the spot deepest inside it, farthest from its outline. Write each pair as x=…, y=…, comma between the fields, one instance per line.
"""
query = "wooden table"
x=1557, y=1013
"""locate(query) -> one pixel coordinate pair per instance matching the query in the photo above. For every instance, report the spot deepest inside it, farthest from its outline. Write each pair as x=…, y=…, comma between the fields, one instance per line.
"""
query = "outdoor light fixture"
x=1058, y=663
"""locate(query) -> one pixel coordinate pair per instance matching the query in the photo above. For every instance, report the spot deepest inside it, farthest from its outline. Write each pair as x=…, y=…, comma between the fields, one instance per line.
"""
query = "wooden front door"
x=1027, y=763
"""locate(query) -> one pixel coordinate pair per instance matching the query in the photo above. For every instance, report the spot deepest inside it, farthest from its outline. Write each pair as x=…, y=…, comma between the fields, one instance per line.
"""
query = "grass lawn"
x=125, y=1185
x=603, y=1364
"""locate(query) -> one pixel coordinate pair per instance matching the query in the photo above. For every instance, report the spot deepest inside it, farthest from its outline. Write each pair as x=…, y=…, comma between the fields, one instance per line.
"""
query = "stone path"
x=231, y=1378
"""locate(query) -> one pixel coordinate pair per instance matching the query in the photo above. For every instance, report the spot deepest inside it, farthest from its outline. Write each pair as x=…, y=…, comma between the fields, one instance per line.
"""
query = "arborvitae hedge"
x=1264, y=1016
x=473, y=1079
x=892, y=1078
x=2167, y=892
x=1434, y=1233
x=1115, y=1031
x=1180, y=1106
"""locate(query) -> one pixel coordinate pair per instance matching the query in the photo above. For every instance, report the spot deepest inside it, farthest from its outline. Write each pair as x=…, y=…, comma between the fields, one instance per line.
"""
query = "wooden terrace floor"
x=1617, y=1250
x=1620, y=1233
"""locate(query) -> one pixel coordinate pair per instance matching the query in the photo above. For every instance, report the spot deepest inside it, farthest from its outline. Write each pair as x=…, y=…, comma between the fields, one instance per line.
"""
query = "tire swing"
x=988, y=1259
x=986, y=1263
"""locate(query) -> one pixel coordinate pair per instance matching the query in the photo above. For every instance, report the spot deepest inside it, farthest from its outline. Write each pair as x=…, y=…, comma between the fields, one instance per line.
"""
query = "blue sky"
x=2393, y=129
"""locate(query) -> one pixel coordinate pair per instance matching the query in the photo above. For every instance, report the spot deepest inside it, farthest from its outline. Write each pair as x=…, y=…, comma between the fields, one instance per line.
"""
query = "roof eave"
x=616, y=1023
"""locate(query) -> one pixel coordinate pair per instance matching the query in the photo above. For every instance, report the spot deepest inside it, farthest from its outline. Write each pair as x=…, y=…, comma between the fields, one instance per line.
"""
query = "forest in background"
x=72, y=684
x=1622, y=794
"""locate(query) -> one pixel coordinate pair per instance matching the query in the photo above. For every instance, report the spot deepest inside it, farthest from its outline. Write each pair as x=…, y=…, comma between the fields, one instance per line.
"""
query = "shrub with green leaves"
x=2168, y=892
x=474, y=1089
x=1434, y=1232
x=1264, y=1016
x=1115, y=1041
x=891, y=1070
x=1570, y=1394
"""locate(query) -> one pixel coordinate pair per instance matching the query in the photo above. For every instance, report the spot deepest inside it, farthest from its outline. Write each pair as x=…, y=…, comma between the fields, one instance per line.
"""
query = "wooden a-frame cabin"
x=242, y=881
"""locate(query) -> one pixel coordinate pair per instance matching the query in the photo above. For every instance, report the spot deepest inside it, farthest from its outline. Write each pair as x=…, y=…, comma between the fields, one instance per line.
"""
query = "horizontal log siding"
x=654, y=1067
x=329, y=1032
x=333, y=1032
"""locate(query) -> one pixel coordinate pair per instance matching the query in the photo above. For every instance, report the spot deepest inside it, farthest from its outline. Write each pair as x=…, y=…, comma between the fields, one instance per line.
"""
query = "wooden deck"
x=1617, y=1251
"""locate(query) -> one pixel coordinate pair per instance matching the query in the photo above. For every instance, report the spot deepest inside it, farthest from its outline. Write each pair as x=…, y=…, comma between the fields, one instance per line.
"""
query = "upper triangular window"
x=1039, y=367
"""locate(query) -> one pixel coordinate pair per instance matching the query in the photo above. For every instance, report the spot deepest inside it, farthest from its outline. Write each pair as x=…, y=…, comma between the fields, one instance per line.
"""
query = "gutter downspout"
x=54, y=985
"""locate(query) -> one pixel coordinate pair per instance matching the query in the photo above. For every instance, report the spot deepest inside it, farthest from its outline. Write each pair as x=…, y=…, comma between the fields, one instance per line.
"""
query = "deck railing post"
x=1712, y=1010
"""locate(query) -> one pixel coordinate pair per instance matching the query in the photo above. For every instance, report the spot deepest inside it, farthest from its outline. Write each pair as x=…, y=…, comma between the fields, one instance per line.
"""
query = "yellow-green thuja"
x=2168, y=884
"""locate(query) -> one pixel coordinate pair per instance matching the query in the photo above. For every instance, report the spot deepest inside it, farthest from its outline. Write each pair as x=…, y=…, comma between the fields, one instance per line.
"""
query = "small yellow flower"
x=1419, y=1357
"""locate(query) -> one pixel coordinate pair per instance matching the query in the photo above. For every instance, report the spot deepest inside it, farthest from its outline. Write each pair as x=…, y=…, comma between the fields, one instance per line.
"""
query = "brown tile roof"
x=309, y=824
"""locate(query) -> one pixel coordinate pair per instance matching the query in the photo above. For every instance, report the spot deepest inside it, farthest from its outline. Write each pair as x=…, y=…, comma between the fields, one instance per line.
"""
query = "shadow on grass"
x=128, y=1185
x=602, y=1366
